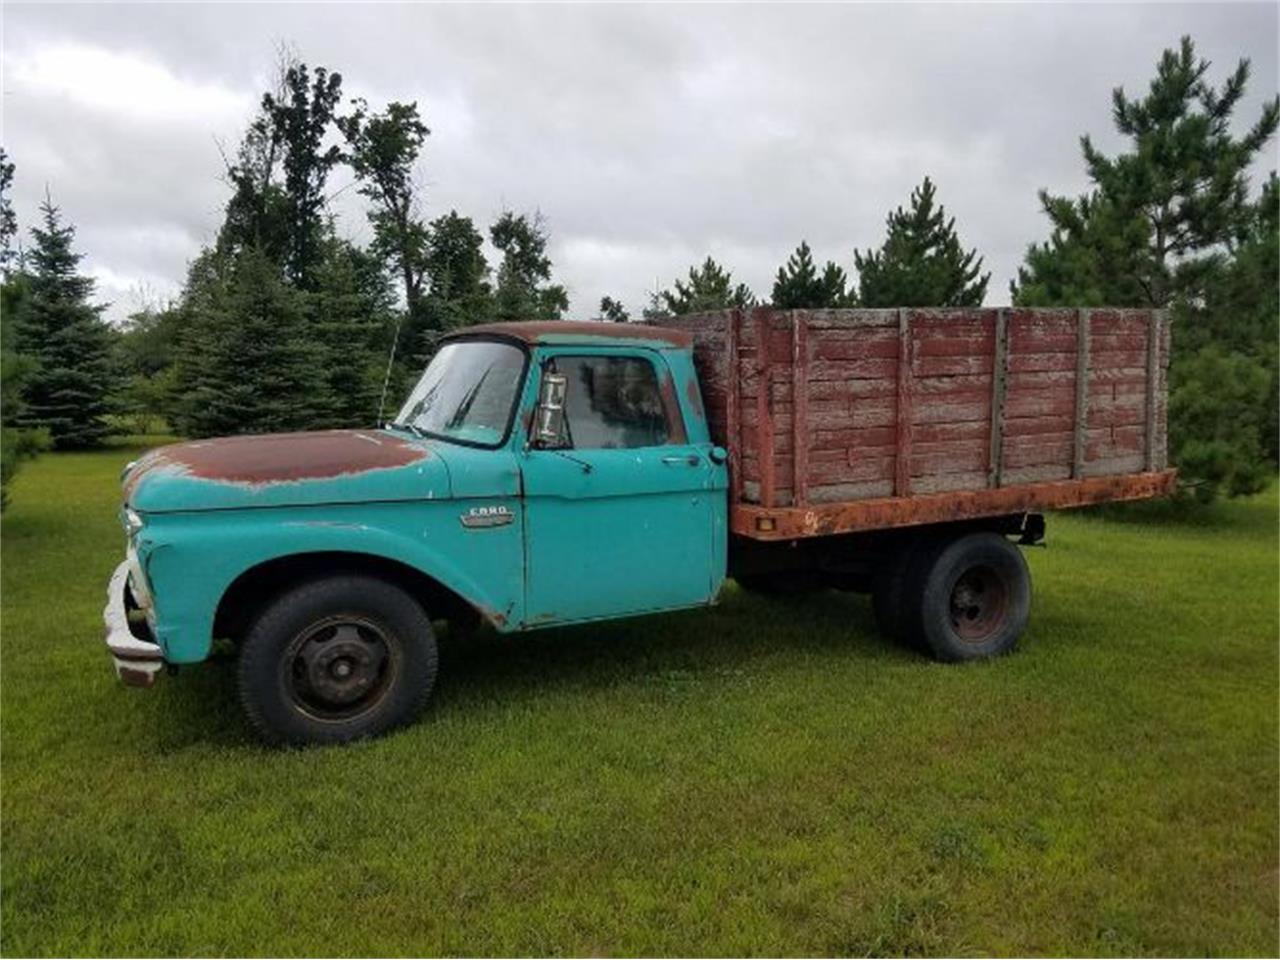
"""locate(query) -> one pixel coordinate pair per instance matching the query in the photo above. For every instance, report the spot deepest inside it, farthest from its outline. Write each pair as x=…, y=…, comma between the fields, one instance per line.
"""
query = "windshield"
x=467, y=393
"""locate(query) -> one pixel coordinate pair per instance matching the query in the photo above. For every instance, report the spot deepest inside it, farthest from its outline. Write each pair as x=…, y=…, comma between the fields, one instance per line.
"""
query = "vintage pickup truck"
x=543, y=474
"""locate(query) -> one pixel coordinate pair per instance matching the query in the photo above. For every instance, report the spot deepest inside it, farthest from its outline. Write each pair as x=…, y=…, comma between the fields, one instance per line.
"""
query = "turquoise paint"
x=192, y=558
x=631, y=534
x=635, y=535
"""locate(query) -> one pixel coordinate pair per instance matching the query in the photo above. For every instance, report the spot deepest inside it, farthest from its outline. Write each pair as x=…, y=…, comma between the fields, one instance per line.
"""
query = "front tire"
x=970, y=598
x=335, y=660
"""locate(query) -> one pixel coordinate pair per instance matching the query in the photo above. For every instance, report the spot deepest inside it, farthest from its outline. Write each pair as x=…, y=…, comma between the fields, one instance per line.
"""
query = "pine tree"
x=1218, y=407
x=1089, y=260
x=799, y=286
x=249, y=363
x=522, y=291
x=1168, y=223
x=16, y=443
x=1157, y=210
x=921, y=263
x=709, y=287
x=655, y=311
x=349, y=321
x=613, y=311
x=66, y=339
x=8, y=220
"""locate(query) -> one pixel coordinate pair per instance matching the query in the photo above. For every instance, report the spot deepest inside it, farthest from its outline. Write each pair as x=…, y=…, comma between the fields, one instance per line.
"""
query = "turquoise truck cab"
x=539, y=474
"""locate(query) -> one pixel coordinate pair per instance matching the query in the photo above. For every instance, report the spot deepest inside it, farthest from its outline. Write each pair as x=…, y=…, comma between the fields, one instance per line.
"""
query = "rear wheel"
x=336, y=659
x=969, y=598
x=889, y=593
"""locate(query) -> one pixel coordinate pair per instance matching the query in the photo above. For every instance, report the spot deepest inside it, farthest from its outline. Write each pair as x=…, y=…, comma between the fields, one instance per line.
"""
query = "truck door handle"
x=688, y=459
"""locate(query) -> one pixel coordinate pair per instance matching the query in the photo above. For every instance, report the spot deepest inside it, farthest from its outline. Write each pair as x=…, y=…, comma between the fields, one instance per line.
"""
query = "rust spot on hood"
x=281, y=457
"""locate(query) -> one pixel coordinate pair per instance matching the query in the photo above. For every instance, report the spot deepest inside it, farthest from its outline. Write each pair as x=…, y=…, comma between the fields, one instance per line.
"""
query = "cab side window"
x=612, y=403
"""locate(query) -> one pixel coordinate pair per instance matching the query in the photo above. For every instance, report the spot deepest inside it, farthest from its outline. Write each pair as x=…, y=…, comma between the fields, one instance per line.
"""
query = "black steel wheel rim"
x=340, y=668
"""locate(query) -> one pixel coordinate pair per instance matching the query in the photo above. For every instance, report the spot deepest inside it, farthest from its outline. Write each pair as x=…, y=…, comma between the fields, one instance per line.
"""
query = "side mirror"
x=548, y=424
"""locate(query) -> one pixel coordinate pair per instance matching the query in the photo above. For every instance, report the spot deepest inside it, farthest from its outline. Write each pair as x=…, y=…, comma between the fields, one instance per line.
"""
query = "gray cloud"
x=648, y=136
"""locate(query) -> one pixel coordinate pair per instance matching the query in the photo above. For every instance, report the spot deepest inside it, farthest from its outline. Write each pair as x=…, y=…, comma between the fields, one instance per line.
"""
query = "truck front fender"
x=192, y=560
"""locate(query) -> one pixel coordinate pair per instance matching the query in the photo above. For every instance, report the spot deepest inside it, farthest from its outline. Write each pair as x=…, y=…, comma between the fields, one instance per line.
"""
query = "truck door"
x=619, y=517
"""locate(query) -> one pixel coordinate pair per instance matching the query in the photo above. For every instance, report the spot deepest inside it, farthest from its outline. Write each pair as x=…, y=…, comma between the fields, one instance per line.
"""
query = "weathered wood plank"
x=1084, y=321
x=764, y=412
x=733, y=403
x=1153, y=382
x=800, y=406
x=999, y=378
x=902, y=472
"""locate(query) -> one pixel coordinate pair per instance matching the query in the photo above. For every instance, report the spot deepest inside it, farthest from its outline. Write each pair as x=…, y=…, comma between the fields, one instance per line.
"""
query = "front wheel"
x=972, y=597
x=335, y=660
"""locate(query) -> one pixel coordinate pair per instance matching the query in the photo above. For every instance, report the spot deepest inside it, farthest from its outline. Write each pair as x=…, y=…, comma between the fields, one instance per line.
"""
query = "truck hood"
x=286, y=469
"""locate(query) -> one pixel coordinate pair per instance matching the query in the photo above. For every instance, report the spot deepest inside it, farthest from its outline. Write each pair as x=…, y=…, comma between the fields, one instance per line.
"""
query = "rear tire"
x=969, y=598
x=335, y=660
x=890, y=594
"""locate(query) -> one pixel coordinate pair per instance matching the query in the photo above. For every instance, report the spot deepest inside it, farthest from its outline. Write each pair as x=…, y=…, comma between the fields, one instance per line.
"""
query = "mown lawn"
x=764, y=778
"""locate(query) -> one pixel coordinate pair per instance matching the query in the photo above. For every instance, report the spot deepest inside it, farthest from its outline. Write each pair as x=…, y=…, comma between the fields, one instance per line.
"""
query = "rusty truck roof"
x=579, y=331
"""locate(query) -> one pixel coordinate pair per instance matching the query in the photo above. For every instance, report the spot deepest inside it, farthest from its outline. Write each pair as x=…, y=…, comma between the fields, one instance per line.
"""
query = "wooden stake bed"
x=845, y=420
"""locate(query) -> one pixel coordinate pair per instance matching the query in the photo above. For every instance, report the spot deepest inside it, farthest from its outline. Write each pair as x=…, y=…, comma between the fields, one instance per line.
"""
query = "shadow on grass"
x=736, y=636
x=200, y=706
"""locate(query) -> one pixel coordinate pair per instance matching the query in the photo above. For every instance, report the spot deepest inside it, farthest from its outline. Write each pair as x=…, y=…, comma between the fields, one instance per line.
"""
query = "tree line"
x=282, y=323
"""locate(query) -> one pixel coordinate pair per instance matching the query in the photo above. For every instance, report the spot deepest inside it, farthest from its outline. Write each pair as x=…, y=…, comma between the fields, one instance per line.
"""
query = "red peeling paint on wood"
x=863, y=392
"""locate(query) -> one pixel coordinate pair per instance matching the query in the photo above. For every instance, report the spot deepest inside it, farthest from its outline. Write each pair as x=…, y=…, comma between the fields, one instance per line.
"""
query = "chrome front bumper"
x=137, y=661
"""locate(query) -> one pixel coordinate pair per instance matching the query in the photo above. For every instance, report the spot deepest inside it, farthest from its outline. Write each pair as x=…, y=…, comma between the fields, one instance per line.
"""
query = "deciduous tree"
x=523, y=290
x=383, y=149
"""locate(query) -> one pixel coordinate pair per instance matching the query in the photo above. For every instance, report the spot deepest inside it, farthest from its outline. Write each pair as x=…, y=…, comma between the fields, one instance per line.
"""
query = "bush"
x=1219, y=411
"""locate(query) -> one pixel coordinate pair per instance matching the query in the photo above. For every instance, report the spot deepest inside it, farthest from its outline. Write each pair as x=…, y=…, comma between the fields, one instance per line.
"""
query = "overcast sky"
x=648, y=136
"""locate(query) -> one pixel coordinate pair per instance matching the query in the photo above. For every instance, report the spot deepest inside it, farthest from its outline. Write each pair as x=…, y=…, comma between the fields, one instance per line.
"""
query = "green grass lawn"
x=762, y=778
